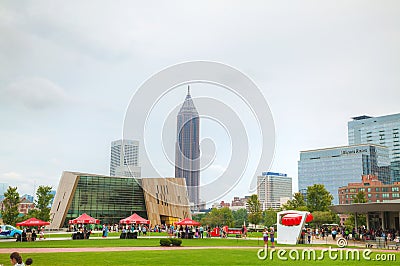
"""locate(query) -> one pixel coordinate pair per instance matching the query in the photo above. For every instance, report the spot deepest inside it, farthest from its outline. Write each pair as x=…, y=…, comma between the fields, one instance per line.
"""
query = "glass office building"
x=93, y=195
x=110, y=199
x=383, y=130
x=336, y=167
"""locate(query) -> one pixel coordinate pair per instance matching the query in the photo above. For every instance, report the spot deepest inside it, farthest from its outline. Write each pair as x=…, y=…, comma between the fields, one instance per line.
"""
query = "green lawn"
x=176, y=257
x=140, y=242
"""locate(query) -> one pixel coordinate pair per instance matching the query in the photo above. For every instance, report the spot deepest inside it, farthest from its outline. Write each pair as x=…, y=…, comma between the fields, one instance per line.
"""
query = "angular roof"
x=188, y=105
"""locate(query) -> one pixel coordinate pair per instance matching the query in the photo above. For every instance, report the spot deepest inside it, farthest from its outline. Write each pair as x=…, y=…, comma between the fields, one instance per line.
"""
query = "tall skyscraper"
x=273, y=189
x=125, y=158
x=337, y=166
x=383, y=130
x=187, y=151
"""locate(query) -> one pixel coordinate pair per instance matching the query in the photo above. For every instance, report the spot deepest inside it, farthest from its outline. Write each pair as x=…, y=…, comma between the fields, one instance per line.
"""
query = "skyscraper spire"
x=188, y=90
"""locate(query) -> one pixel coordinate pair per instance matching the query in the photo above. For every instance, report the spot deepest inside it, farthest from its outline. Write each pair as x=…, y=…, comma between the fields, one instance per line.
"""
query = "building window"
x=369, y=195
x=395, y=188
x=396, y=195
x=385, y=195
x=369, y=189
x=376, y=189
x=385, y=189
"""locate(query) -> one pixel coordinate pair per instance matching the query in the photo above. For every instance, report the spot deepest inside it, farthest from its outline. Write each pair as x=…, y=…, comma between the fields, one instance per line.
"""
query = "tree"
x=350, y=221
x=198, y=217
x=240, y=217
x=360, y=197
x=10, y=206
x=255, y=215
x=318, y=198
x=269, y=217
x=43, y=201
x=323, y=217
x=218, y=217
x=297, y=203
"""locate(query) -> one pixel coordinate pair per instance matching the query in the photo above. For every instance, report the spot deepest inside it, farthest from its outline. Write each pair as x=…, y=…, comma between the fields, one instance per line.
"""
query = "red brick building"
x=25, y=206
x=375, y=190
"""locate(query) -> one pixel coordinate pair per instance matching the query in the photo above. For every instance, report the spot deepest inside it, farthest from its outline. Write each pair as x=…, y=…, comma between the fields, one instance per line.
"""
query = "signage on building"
x=354, y=151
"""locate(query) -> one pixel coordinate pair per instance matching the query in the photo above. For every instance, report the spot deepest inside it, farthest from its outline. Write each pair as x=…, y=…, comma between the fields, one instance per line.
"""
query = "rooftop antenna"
x=188, y=90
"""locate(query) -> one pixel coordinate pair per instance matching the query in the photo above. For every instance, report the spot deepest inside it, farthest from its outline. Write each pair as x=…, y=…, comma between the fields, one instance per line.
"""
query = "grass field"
x=140, y=242
x=176, y=256
x=179, y=257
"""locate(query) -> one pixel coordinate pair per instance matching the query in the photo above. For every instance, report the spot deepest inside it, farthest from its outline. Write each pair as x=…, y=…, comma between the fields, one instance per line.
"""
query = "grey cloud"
x=33, y=93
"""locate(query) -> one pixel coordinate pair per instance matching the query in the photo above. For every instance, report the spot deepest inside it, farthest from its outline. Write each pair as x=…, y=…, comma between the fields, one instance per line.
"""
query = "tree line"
x=9, y=210
x=317, y=202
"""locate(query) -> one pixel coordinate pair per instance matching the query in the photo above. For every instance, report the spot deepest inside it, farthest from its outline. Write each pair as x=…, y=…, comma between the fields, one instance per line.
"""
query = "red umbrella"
x=33, y=222
x=134, y=219
x=84, y=219
x=187, y=221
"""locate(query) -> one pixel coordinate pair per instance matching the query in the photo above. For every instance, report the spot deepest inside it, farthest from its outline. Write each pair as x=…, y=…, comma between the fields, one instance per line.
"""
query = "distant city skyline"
x=65, y=83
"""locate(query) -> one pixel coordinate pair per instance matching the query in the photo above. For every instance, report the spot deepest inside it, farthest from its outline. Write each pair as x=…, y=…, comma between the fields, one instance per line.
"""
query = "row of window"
x=377, y=189
x=383, y=195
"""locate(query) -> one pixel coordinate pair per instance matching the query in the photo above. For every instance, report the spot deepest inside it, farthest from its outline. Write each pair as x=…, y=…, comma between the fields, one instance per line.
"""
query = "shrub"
x=176, y=241
x=165, y=242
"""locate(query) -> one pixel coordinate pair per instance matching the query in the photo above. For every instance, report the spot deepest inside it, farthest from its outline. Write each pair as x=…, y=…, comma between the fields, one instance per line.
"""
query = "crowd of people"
x=361, y=233
x=30, y=234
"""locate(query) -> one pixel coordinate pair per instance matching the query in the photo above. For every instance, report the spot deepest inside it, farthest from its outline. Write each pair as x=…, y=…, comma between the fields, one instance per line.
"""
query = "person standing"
x=334, y=233
x=104, y=231
x=272, y=236
x=201, y=231
x=309, y=236
x=265, y=237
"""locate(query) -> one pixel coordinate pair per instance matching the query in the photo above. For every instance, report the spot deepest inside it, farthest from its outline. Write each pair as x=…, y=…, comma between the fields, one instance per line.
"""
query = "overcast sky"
x=68, y=70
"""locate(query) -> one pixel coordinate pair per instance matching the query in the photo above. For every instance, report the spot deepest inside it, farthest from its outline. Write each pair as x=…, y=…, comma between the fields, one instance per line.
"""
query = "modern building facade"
x=125, y=158
x=187, y=151
x=110, y=199
x=383, y=130
x=375, y=190
x=379, y=215
x=337, y=166
x=273, y=189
